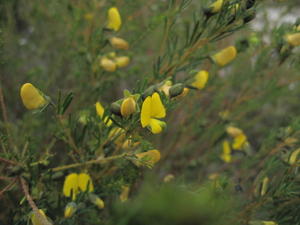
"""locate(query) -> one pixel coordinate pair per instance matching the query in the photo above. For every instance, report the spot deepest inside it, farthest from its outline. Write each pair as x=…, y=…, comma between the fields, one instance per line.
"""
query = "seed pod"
x=119, y=43
x=176, y=90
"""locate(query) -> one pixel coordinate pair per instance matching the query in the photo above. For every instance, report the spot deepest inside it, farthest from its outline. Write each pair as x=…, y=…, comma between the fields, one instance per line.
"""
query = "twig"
x=94, y=161
x=32, y=204
x=8, y=187
x=7, y=161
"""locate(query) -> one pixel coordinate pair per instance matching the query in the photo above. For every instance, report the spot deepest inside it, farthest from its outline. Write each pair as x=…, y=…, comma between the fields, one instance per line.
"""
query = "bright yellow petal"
x=85, y=182
x=239, y=142
x=293, y=39
x=71, y=186
x=114, y=19
x=31, y=97
x=226, y=147
x=200, y=79
x=157, y=108
x=146, y=112
x=156, y=126
x=151, y=156
x=226, y=158
x=99, y=109
x=216, y=6
x=128, y=107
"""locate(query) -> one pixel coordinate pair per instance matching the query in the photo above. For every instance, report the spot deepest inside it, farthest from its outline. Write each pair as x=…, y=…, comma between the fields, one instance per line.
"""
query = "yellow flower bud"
x=264, y=186
x=124, y=194
x=39, y=219
x=233, y=131
x=114, y=19
x=128, y=106
x=293, y=39
x=70, y=209
x=119, y=43
x=225, y=56
x=293, y=160
x=31, y=97
x=226, y=154
x=168, y=178
x=108, y=65
x=166, y=87
x=200, y=79
x=150, y=157
x=122, y=61
x=97, y=201
x=216, y=6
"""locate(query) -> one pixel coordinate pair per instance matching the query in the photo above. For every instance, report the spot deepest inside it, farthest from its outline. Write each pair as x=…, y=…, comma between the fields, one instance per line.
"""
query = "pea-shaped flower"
x=200, y=79
x=31, y=97
x=216, y=6
x=108, y=64
x=225, y=56
x=150, y=157
x=74, y=183
x=114, y=19
x=128, y=106
x=119, y=43
x=293, y=39
x=152, y=110
x=122, y=61
x=70, y=209
x=100, y=112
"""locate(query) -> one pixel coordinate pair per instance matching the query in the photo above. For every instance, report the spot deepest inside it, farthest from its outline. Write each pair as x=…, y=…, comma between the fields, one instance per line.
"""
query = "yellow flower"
x=216, y=6
x=168, y=178
x=239, y=141
x=293, y=39
x=128, y=106
x=293, y=160
x=153, y=108
x=70, y=209
x=225, y=56
x=119, y=43
x=200, y=79
x=226, y=154
x=124, y=194
x=32, y=97
x=108, y=64
x=96, y=201
x=114, y=19
x=262, y=222
x=35, y=219
x=150, y=157
x=74, y=183
x=122, y=61
x=233, y=131
x=100, y=112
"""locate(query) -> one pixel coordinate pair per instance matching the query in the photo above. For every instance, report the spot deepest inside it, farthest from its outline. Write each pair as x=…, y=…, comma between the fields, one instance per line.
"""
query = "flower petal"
x=156, y=126
x=114, y=19
x=85, y=182
x=146, y=112
x=31, y=97
x=157, y=108
x=71, y=186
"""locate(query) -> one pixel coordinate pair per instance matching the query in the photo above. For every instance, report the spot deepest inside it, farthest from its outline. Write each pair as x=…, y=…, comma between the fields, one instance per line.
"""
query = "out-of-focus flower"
x=293, y=39
x=226, y=153
x=225, y=56
x=149, y=157
x=128, y=106
x=239, y=142
x=100, y=112
x=32, y=98
x=152, y=110
x=114, y=19
x=108, y=64
x=200, y=79
x=122, y=61
x=74, y=183
x=119, y=43
x=216, y=6
x=124, y=193
x=168, y=178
